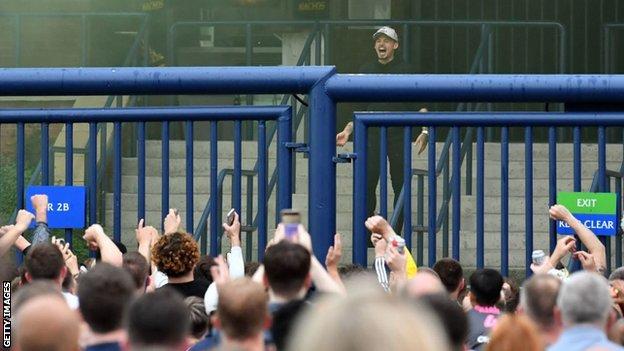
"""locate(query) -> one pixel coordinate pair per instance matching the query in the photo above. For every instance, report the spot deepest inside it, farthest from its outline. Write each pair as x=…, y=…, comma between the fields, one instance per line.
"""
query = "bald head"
x=424, y=283
x=46, y=323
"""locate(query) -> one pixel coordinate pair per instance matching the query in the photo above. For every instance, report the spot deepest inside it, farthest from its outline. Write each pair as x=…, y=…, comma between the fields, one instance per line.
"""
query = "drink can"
x=398, y=243
x=538, y=257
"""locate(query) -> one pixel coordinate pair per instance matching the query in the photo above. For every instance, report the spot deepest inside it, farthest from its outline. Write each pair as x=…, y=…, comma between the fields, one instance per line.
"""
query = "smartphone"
x=230, y=217
x=290, y=219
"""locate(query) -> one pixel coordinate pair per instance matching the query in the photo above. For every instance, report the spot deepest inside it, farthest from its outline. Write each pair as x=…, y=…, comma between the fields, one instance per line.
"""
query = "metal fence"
x=325, y=88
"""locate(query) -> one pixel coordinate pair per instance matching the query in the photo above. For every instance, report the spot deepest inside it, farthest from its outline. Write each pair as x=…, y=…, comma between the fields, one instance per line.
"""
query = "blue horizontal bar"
x=475, y=88
x=488, y=119
x=203, y=113
x=159, y=81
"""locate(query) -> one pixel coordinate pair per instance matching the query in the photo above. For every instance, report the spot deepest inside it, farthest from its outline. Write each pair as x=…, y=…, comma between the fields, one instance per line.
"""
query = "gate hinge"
x=344, y=158
x=298, y=147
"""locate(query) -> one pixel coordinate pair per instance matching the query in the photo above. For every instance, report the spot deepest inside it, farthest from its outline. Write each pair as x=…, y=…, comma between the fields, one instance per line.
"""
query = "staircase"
x=344, y=191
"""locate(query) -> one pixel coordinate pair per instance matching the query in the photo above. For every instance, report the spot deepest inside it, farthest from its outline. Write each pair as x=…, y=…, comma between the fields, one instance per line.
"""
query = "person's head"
x=367, y=320
x=45, y=261
x=242, y=310
x=425, y=282
x=287, y=269
x=197, y=314
x=136, y=265
x=617, y=274
x=351, y=270
x=34, y=289
x=452, y=317
x=284, y=320
x=202, y=269
x=386, y=42
x=104, y=294
x=539, y=299
x=515, y=332
x=451, y=274
x=46, y=323
x=584, y=298
x=175, y=254
x=158, y=320
x=511, y=295
x=251, y=268
x=485, y=287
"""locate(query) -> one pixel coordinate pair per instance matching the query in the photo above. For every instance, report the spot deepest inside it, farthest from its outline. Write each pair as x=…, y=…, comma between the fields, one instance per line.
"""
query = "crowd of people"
x=166, y=296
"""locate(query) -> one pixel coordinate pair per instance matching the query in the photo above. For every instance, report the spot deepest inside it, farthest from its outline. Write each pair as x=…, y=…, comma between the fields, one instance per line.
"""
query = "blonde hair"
x=515, y=332
x=367, y=320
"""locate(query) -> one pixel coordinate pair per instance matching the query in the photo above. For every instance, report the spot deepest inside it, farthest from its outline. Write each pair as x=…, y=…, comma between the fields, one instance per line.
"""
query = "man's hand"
x=172, y=221
x=91, y=236
x=587, y=261
x=343, y=137
x=560, y=213
x=5, y=228
x=40, y=204
x=144, y=234
x=380, y=244
x=220, y=272
x=71, y=261
x=396, y=261
x=423, y=138
x=377, y=224
x=23, y=219
x=334, y=254
x=564, y=245
x=233, y=231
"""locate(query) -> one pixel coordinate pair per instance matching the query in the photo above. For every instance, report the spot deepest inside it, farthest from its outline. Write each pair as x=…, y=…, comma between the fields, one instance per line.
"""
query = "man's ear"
x=265, y=281
x=462, y=284
x=558, y=317
x=63, y=274
x=268, y=321
x=28, y=277
x=216, y=321
x=396, y=45
x=308, y=281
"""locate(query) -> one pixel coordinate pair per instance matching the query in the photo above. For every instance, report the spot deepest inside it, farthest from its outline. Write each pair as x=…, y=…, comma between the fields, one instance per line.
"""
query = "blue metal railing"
x=282, y=116
x=456, y=121
x=326, y=88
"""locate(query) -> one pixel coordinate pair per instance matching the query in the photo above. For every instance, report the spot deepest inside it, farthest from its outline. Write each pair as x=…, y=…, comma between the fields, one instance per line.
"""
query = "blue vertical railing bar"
x=383, y=173
x=262, y=190
x=480, y=195
x=552, y=182
x=505, y=201
x=69, y=169
x=117, y=182
x=92, y=173
x=164, y=173
x=432, y=196
x=407, y=186
x=21, y=164
x=190, y=208
x=602, y=159
x=456, y=192
x=141, y=171
x=45, y=153
x=528, y=197
x=618, y=233
x=576, y=144
x=359, y=194
x=420, y=214
x=214, y=221
x=284, y=163
x=236, y=180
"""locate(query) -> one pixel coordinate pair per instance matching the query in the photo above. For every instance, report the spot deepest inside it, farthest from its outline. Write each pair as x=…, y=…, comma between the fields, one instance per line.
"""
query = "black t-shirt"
x=196, y=287
x=396, y=66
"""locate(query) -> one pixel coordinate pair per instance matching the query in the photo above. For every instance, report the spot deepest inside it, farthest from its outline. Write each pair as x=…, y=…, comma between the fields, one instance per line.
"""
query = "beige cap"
x=387, y=31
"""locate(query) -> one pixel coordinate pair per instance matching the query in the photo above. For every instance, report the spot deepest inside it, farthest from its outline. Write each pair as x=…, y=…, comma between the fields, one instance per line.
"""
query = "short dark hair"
x=200, y=321
x=486, y=285
x=452, y=318
x=104, y=293
x=44, y=261
x=450, y=273
x=351, y=270
x=539, y=298
x=202, y=268
x=617, y=274
x=158, y=319
x=136, y=265
x=286, y=265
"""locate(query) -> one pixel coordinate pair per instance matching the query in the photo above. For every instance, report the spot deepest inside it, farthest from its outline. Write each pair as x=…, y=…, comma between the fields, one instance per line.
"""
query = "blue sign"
x=66, y=205
x=604, y=225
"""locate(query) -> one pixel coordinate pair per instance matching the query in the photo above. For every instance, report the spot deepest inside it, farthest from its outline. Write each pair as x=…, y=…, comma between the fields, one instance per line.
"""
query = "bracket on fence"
x=298, y=147
x=344, y=158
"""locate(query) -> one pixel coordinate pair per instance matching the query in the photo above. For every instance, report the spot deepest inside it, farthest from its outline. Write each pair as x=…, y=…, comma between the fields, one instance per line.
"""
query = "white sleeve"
x=236, y=262
x=160, y=279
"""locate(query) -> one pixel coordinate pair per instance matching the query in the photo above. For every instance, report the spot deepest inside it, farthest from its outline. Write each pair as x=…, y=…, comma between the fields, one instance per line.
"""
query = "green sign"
x=597, y=211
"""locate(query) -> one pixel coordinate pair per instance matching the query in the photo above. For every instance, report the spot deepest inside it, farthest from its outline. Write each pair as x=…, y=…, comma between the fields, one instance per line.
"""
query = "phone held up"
x=290, y=219
x=231, y=215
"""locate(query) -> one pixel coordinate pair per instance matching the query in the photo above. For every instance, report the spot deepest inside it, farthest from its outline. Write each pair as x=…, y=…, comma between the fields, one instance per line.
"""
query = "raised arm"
x=12, y=233
x=96, y=238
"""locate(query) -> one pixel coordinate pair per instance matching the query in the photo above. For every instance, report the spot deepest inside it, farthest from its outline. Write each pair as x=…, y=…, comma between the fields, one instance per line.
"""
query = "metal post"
x=214, y=220
x=528, y=197
x=480, y=195
x=165, y=173
x=262, y=189
x=117, y=183
x=407, y=186
x=432, y=196
x=69, y=169
x=552, y=176
x=190, y=208
x=45, y=153
x=456, y=192
x=359, y=193
x=383, y=173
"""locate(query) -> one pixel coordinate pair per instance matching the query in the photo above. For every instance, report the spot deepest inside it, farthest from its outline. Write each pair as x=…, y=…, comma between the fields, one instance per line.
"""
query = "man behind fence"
x=386, y=42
